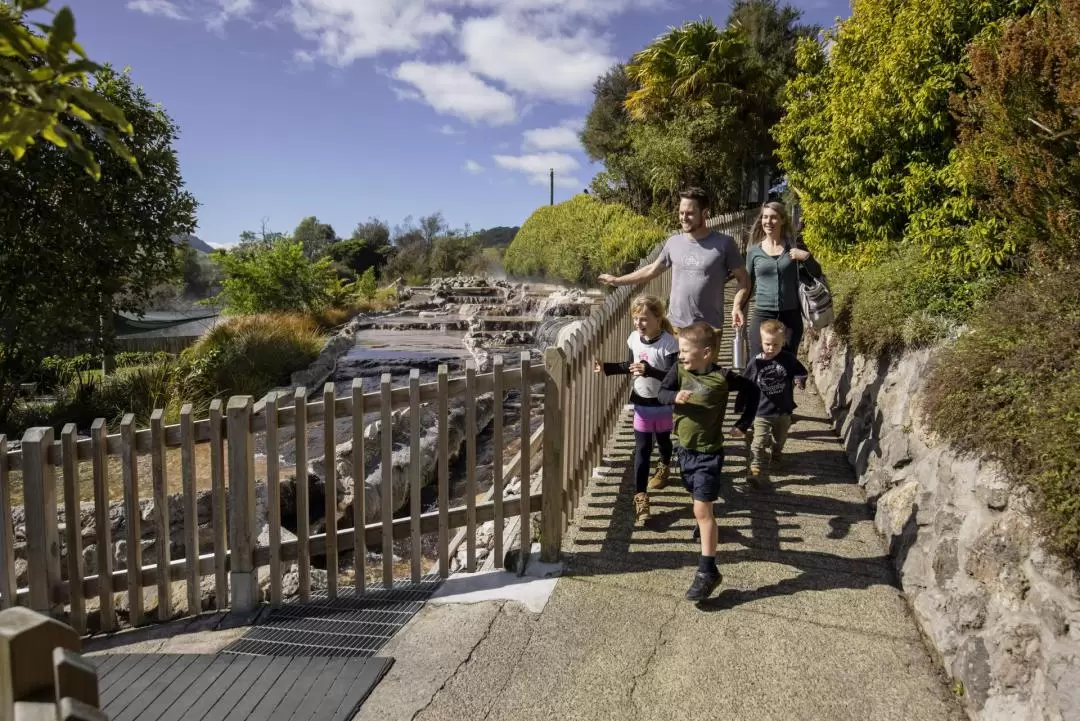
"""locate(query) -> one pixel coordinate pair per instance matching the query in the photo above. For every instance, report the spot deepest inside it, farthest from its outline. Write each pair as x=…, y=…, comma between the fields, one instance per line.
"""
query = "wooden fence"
x=580, y=411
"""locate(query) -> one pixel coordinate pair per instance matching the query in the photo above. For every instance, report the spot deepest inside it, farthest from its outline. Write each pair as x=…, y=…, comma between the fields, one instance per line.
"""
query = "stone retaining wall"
x=1003, y=616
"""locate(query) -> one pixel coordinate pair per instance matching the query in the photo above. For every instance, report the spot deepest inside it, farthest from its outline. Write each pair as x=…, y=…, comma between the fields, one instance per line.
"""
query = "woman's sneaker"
x=660, y=478
x=641, y=507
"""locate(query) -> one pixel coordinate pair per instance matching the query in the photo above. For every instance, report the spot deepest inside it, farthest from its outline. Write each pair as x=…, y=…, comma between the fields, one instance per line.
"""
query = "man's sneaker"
x=660, y=478
x=703, y=586
x=641, y=507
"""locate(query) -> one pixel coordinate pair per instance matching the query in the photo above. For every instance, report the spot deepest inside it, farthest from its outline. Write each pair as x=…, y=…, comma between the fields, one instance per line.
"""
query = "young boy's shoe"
x=705, y=582
x=758, y=479
x=660, y=478
x=641, y=507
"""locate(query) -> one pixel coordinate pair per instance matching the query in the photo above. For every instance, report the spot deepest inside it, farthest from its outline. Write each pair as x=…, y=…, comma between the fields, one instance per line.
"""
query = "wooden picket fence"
x=581, y=409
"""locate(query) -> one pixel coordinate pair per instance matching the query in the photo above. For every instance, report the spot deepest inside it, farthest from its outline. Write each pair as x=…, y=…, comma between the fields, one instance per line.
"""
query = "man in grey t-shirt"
x=700, y=260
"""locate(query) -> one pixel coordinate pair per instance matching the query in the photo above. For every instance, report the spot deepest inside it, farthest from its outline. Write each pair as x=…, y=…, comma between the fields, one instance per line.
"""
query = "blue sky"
x=347, y=109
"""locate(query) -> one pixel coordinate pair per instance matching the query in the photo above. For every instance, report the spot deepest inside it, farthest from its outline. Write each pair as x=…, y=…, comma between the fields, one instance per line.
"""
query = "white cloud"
x=165, y=8
x=453, y=90
x=227, y=10
x=561, y=137
x=537, y=166
x=350, y=29
x=474, y=167
x=574, y=9
x=449, y=130
x=555, y=67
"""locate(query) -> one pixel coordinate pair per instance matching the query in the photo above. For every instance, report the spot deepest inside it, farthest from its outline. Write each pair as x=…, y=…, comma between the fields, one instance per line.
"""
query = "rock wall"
x=1003, y=616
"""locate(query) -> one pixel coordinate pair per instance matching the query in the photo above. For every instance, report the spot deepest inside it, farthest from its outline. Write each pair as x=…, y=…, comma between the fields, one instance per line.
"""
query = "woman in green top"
x=772, y=262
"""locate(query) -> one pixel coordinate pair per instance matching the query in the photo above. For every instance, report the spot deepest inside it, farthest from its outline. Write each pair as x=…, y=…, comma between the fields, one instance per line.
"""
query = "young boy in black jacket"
x=775, y=372
x=699, y=390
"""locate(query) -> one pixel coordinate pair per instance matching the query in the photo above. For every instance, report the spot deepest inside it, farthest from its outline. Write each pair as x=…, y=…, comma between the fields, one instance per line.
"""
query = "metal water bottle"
x=739, y=359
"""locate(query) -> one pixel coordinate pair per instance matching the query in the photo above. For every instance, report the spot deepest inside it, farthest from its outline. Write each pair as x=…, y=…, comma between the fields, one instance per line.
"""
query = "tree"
x=869, y=139
x=46, y=93
x=74, y=250
x=200, y=276
x=701, y=87
x=1020, y=133
x=358, y=255
x=273, y=278
x=263, y=237
x=374, y=231
x=316, y=237
x=606, y=138
x=456, y=253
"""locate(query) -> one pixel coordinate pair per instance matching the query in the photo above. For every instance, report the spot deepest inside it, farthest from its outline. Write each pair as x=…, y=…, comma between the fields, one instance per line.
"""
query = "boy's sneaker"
x=703, y=586
x=641, y=507
x=758, y=480
x=660, y=478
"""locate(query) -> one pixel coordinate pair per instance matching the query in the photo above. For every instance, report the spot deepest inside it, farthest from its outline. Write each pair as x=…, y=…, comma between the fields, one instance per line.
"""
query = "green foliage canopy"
x=45, y=90
x=868, y=140
x=694, y=108
x=72, y=249
x=274, y=277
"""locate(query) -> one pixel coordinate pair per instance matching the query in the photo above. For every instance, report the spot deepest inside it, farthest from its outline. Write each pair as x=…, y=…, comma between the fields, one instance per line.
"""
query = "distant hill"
x=193, y=241
x=496, y=237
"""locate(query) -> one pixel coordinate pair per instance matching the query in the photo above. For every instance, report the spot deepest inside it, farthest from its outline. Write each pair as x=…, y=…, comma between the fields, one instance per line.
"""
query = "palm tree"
x=691, y=68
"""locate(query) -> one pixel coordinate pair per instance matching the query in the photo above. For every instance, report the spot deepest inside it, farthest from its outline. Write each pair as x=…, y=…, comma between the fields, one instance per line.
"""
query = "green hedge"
x=1010, y=390
x=904, y=302
x=577, y=240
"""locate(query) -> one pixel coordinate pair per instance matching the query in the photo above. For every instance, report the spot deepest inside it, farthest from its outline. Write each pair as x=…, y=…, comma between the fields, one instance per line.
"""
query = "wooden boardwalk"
x=228, y=687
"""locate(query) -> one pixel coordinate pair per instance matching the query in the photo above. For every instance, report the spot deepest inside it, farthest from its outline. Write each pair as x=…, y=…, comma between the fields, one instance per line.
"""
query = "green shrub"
x=138, y=390
x=580, y=238
x=367, y=285
x=247, y=355
x=274, y=278
x=1010, y=390
x=904, y=303
x=869, y=137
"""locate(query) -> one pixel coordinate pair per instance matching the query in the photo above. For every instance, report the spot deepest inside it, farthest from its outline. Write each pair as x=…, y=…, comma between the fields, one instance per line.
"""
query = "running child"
x=653, y=350
x=699, y=390
x=775, y=372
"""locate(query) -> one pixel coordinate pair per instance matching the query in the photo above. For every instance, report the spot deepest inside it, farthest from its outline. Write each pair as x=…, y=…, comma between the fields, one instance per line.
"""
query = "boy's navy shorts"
x=701, y=473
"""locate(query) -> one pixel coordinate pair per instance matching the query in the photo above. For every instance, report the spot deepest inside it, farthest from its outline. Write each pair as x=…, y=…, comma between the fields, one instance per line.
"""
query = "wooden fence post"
x=42, y=532
x=242, y=577
x=552, y=479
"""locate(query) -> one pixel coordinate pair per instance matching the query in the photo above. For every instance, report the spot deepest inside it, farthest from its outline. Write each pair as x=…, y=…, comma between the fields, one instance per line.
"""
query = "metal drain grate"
x=350, y=625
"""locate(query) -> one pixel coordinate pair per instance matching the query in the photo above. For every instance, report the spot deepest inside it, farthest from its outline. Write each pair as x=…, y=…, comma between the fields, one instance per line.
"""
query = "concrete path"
x=808, y=623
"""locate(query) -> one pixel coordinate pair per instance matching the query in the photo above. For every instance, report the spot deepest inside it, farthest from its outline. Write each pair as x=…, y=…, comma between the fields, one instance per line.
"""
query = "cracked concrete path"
x=808, y=624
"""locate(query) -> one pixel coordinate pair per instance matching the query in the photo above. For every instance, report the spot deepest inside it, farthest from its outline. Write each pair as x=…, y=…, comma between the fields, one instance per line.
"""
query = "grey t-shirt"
x=698, y=271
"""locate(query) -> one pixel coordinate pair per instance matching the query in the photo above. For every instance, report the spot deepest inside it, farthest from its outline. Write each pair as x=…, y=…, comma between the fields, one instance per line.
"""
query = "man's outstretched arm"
x=640, y=275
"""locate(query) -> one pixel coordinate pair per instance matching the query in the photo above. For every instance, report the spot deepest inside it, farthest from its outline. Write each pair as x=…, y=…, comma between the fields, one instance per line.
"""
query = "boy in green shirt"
x=699, y=389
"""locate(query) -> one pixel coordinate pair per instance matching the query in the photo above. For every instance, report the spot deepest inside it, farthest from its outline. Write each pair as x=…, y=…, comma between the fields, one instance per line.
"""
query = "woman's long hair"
x=757, y=233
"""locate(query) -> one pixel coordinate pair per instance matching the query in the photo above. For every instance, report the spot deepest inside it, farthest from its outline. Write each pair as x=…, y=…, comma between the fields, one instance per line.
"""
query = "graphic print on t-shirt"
x=698, y=389
x=771, y=378
x=693, y=262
